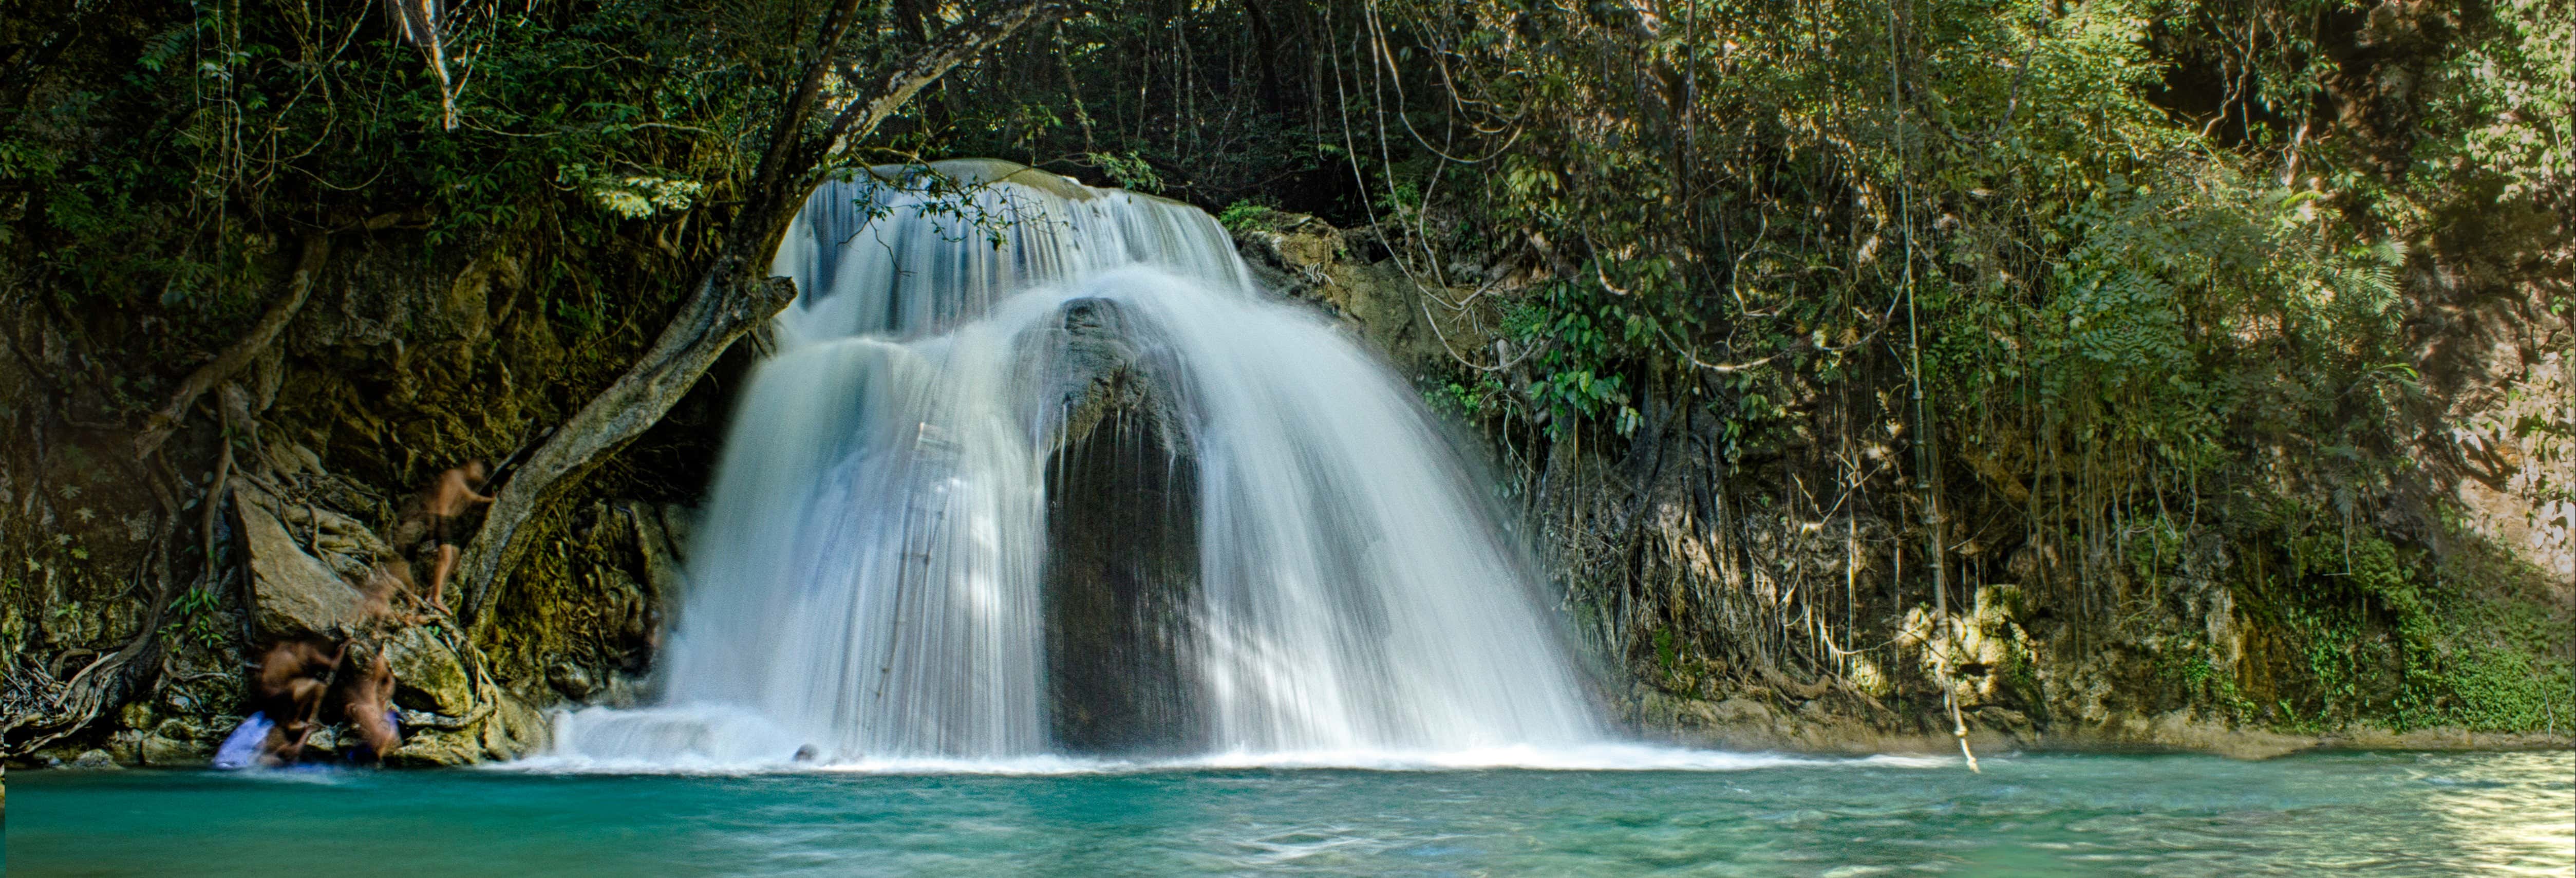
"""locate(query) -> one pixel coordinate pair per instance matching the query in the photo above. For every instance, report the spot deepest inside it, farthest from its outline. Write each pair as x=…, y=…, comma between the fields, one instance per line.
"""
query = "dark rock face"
x=1122, y=526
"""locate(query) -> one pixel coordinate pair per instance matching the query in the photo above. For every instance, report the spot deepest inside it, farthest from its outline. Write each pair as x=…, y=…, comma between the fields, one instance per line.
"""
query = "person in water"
x=445, y=506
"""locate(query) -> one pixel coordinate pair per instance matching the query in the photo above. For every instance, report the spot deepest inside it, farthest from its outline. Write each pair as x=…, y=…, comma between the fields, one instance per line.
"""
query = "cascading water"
x=1038, y=470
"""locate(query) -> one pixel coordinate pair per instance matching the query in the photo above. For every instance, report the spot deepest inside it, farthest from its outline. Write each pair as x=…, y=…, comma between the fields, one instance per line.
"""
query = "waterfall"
x=1039, y=470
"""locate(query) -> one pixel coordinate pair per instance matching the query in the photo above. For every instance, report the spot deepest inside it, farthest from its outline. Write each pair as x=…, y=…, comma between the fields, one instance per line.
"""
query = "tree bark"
x=730, y=298
x=299, y=287
x=725, y=306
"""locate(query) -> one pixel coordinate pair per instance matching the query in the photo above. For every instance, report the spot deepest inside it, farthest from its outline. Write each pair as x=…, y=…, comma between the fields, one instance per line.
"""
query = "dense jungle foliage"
x=2139, y=292
x=2142, y=289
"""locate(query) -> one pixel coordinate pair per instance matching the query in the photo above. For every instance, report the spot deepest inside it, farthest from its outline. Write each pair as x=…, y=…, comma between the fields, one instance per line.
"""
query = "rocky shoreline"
x=1743, y=723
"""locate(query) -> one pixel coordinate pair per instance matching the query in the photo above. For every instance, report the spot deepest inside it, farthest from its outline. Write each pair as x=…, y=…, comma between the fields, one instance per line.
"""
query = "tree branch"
x=952, y=47
x=787, y=136
x=20, y=77
x=730, y=298
x=725, y=306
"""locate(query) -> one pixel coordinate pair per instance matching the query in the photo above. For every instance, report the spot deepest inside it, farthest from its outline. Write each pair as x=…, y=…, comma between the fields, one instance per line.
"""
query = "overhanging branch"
x=731, y=297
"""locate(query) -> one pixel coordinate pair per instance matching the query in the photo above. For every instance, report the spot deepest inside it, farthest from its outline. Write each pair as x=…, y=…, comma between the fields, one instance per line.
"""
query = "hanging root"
x=1959, y=729
x=59, y=710
x=299, y=287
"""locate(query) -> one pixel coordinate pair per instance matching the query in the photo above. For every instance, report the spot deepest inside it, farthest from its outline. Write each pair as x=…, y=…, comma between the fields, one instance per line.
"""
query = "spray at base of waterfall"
x=741, y=759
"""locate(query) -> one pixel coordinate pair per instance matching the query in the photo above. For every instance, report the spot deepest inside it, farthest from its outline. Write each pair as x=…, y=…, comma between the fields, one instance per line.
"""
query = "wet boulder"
x=1122, y=560
x=570, y=680
x=1097, y=364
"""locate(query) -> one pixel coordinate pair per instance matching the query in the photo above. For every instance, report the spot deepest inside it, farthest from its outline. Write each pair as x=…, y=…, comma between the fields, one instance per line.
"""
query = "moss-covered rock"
x=428, y=675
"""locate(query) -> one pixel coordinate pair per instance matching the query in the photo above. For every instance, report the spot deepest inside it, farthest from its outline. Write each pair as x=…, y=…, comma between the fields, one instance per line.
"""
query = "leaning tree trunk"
x=732, y=296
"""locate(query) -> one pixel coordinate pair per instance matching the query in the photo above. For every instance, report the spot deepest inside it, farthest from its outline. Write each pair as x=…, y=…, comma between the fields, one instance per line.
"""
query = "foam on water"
x=756, y=746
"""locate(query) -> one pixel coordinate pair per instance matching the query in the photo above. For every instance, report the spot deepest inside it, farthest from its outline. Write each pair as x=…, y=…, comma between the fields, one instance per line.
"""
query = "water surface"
x=2373, y=814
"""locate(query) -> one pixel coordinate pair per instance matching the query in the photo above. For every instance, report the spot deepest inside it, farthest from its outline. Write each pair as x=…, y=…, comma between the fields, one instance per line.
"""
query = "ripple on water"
x=2380, y=814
